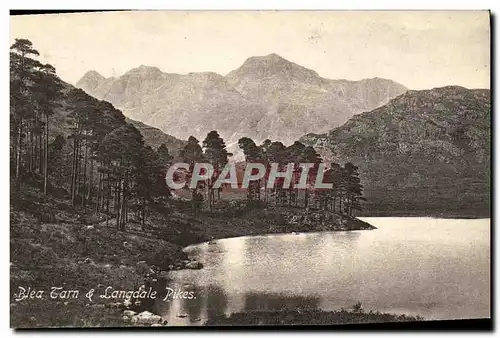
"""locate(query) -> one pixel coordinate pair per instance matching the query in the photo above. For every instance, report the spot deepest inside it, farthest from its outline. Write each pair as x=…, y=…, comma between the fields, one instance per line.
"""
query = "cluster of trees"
x=214, y=152
x=344, y=197
x=99, y=159
x=34, y=94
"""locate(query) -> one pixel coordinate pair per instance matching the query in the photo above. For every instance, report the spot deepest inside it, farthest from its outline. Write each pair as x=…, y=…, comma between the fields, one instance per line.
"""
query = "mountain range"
x=267, y=97
x=426, y=152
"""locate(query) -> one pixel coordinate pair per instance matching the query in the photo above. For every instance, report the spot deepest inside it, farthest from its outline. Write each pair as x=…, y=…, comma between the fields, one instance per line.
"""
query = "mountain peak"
x=144, y=70
x=272, y=58
x=92, y=74
x=146, y=67
x=273, y=65
x=90, y=81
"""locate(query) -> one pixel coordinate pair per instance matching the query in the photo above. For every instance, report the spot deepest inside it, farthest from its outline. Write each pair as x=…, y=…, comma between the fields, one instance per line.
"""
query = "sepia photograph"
x=249, y=168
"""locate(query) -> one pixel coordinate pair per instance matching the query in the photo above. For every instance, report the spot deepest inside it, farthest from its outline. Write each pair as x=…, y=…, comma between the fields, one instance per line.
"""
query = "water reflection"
x=212, y=302
x=437, y=269
x=273, y=302
x=208, y=302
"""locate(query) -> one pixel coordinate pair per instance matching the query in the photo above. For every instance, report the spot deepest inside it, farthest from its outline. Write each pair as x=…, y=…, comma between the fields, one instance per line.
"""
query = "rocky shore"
x=324, y=221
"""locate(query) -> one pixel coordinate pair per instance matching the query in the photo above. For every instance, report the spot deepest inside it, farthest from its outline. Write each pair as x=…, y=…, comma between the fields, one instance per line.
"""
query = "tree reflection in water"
x=212, y=302
x=273, y=302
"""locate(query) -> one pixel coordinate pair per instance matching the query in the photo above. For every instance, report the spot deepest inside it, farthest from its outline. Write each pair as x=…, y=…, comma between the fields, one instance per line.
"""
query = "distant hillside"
x=425, y=152
x=267, y=97
x=154, y=137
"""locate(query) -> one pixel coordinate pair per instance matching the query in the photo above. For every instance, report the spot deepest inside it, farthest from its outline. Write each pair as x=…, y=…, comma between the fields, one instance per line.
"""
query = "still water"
x=435, y=268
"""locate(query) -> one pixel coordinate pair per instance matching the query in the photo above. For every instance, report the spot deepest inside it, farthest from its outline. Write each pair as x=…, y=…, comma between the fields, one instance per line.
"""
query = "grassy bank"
x=52, y=245
x=226, y=221
x=309, y=317
x=79, y=257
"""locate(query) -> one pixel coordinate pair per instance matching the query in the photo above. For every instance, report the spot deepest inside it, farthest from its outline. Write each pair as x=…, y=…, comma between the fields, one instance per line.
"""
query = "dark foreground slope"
x=424, y=153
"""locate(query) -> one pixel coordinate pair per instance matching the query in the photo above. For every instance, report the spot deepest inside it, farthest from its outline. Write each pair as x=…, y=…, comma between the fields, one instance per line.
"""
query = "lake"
x=435, y=268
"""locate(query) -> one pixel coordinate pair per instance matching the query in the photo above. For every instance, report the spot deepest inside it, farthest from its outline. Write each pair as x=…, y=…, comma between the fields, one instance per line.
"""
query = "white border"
x=179, y=5
x=256, y=4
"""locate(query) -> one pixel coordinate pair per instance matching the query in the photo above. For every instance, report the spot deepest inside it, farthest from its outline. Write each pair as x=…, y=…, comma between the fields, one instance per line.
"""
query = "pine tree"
x=56, y=154
x=192, y=154
x=252, y=155
x=309, y=155
x=148, y=180
x=337, y=181
x=164, y=160
x=47, y=93
x=217, y=155
x=23, y=69
x=164, y=155
x=353, y=188
x=263, y=148
x=121, y=153
x=294, y=155
x=276, y=154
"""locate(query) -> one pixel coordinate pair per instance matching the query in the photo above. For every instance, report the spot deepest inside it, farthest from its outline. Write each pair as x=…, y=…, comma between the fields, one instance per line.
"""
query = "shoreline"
x=427, y=215
x=273, y=234
x=315, y=316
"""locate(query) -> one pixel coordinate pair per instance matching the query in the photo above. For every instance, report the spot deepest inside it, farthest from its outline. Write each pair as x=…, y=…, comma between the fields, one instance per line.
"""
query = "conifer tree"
x=217, y=155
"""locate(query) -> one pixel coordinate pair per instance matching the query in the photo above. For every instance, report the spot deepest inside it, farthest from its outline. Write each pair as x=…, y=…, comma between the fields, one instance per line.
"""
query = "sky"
x=419, y=49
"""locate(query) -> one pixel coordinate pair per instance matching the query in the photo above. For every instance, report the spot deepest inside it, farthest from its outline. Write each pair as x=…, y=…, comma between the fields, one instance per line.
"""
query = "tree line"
x=345, y=196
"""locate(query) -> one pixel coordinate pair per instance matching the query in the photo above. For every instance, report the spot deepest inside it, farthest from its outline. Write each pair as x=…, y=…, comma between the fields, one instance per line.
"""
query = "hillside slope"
x=425, y=152
x=154, y=137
